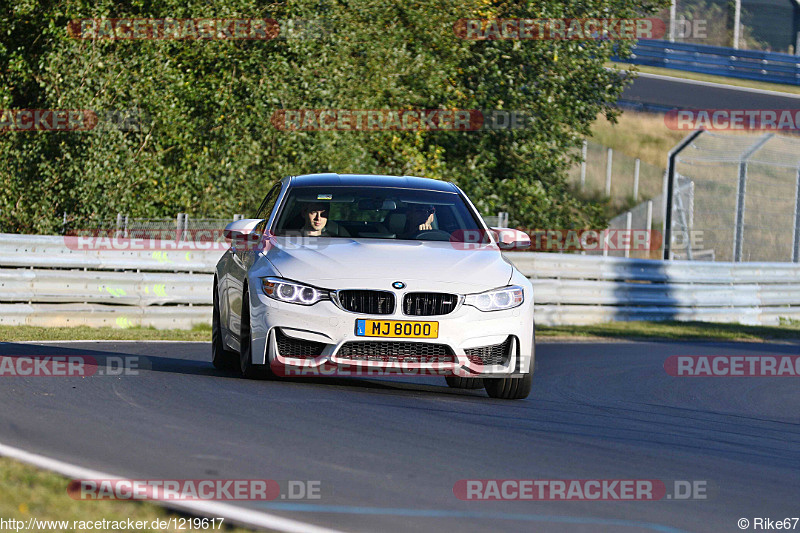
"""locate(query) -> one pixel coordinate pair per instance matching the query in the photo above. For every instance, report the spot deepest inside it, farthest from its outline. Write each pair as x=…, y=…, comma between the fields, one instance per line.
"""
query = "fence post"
x=609, y=155
x=669, y=183
x=649, y=225
x=738, y=228
x=185, y=235
x=178, y=226
x=502, y=219
x=628, y=222
x=796, y=240
x=125, y=228
x=117, y=233
x=636, y=179
x=583, y=163
x=738, y=235
x=672, y=21
x=737, y=17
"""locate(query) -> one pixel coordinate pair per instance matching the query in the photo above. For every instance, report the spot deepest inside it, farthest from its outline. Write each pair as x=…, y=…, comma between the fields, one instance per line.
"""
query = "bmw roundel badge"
x=399, y=285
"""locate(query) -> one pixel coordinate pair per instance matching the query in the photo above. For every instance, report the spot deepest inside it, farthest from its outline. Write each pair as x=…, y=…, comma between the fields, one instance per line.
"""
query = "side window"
x=259, y=229
x=269, y=202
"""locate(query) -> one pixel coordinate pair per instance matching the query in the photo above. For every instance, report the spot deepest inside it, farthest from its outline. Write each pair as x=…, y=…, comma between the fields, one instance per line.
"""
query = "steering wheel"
x=433, y=235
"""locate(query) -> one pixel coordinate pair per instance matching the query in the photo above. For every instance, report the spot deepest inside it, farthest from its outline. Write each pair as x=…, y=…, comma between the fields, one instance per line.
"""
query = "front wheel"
x=248, y=369
x=509, y=388
x=221, y=357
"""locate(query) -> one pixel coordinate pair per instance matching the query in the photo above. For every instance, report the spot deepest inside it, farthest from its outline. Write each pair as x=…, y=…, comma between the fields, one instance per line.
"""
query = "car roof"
x=370, y=180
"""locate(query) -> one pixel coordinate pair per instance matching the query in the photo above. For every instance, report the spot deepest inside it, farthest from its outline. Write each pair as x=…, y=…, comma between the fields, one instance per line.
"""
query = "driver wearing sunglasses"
x=315, y=218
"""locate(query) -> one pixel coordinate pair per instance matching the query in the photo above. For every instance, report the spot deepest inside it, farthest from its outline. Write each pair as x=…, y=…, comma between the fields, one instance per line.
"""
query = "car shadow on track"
x=128, y=361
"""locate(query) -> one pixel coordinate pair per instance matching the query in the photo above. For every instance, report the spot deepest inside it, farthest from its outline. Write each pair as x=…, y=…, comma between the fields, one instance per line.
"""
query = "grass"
x=27, y=492
x=200, y=332
x=635, y=135
x=638, y=135
x=645, y=135
x=788, y=329
x=738, y=82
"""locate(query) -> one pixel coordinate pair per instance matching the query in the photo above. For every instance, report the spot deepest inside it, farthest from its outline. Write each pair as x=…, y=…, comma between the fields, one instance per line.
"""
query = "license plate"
x=398, y=329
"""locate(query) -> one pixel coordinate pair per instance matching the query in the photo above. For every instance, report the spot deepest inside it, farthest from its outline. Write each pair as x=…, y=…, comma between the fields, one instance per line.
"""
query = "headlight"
x=497, y=299
x=292, y=292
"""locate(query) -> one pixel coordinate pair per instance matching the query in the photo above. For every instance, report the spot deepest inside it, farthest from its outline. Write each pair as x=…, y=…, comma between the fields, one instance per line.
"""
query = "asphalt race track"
x=665, y=93
x=388, y=453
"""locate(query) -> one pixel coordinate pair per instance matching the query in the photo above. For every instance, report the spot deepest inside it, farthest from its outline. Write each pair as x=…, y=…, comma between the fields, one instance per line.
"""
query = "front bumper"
x=461, y=348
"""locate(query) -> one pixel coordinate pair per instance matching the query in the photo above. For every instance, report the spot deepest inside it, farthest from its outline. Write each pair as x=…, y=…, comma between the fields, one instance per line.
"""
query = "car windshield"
x=378, y=213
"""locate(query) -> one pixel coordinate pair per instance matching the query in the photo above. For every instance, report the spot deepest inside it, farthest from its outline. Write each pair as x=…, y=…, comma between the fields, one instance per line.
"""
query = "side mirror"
x=240, y=228
x=240, y=234
x=508, y=239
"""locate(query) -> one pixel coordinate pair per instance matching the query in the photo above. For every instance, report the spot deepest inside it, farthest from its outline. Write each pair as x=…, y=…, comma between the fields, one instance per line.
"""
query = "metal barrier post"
x=672, y=21
x=649, y=226
x=738, y=229
x=741, y=190
x=670, y=183
x=796, y=240
x=636, y=179
x=628, y=222
x=609, y=155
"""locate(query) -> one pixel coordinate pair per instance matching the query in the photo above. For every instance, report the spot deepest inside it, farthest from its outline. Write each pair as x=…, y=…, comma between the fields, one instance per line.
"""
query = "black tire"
x=509, y=388
x=457, y=382
x=221, y=357
x=246, y=366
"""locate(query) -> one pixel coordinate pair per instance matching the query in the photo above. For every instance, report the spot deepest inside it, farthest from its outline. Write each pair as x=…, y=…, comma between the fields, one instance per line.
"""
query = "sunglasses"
x=429, y=210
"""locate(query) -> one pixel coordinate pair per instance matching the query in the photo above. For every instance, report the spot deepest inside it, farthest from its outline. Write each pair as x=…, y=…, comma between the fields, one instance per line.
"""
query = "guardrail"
x=45, y=283
x=772, y=67
x=575, y=289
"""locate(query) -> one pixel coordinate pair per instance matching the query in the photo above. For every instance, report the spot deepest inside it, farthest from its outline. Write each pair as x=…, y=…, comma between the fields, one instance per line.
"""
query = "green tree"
x=208, y=147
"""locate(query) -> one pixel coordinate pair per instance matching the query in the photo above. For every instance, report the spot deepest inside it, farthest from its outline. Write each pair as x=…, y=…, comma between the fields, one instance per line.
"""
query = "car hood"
x=376, y=263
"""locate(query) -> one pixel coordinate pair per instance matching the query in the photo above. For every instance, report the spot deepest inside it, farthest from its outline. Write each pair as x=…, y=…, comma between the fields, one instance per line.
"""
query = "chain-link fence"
x=607, y=173
x=767, y=25
x=745, y=194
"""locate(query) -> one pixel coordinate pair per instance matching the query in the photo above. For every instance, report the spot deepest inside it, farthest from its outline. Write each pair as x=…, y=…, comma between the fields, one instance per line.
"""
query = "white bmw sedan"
x=374, y=272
